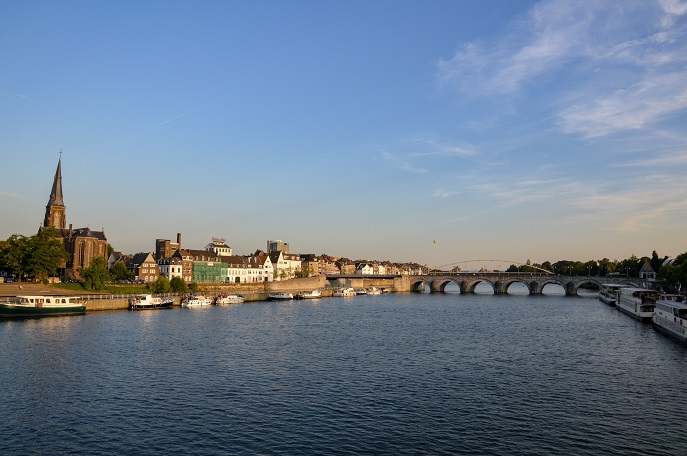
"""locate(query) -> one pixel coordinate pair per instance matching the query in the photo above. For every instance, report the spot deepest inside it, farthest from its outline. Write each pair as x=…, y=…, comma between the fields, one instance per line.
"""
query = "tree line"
x=40, y=256
x=672, y=276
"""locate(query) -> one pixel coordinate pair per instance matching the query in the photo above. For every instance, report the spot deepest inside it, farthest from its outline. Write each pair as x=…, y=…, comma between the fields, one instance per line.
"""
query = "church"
x=82, y=244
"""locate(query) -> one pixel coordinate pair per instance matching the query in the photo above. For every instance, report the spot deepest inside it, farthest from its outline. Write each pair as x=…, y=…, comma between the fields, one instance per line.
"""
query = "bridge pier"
x=434, y=287
x=465, y=289
x=500, y=288
x=536, y=289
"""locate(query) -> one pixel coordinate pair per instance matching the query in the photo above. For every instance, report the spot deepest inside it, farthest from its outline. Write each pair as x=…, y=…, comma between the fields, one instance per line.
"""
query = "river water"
x=391, y=374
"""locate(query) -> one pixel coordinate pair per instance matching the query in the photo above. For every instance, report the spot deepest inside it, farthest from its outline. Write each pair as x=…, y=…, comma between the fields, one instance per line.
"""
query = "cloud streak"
x=191, y=111
x=607, y=66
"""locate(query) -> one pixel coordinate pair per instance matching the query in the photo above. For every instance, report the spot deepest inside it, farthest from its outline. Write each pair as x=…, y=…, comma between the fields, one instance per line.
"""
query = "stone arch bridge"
x=500, y=281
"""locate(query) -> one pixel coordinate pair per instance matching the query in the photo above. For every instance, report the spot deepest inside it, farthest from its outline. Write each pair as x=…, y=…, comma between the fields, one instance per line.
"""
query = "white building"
x=219, y=246
x=284, y=265
x=248, y=269
x=171, y=267
x=364, y=269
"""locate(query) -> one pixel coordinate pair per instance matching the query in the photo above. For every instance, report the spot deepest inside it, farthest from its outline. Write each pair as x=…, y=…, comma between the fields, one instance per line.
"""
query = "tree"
x=46, y=253
x=178, y=285
x=161, y=285
x=39, y=256
x=193, y=286
x=655, y=261
x=119, y=271
x=14, y=253
x=96, y=275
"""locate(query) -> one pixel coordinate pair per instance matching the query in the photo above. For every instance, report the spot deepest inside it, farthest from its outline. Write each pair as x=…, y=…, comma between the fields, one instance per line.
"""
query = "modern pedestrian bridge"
x=500, y=281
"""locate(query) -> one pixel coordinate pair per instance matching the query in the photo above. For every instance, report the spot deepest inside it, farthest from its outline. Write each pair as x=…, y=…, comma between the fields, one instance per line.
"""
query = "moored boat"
x=670, y=316
x=344, y=292
x=609, y=293
x=194, y=300
x=314, y=294
x=360, y=291
x=638, y=303
x=41, y=306
x=374, y=291
x=280, y=296
x=146, y=301
x=224, y=299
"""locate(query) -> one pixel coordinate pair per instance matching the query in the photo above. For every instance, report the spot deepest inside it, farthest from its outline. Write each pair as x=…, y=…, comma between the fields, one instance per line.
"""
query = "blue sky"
x=503, y=130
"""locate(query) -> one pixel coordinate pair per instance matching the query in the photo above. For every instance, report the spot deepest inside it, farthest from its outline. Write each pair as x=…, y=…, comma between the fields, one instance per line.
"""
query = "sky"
x=437, y=132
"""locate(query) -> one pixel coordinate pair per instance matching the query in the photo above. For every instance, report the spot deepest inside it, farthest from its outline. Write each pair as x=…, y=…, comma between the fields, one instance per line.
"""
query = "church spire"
x=56, y=193
x=55, y=211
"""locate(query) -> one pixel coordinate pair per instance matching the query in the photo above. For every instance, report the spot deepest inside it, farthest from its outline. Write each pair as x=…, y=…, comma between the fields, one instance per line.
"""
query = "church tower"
x=55, y=211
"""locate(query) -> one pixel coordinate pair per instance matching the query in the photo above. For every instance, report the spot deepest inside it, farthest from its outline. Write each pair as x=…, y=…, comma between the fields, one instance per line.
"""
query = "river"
x=392, y=374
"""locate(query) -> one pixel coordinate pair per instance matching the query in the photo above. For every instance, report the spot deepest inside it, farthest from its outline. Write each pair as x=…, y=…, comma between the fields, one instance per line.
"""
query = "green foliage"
x=120, y=272
x=161, y=285
x=178, y=285
x=193, y=286
x=13, y=254
x=672, y=277
x=96, y=276
x=46, y=253
x=39, y=256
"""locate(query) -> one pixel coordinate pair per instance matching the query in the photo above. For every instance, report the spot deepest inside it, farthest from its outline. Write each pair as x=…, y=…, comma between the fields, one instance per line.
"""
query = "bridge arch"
x=537, y=287
x=507, y=283
x=469, y=285
x=418, y=286
x=439, y=286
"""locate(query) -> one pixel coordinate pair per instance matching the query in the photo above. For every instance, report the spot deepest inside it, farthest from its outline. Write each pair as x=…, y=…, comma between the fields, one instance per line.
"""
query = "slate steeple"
x=55, y=211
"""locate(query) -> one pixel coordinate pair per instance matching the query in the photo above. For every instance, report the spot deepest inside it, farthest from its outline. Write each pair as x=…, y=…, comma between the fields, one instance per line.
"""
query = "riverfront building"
x=82, y=244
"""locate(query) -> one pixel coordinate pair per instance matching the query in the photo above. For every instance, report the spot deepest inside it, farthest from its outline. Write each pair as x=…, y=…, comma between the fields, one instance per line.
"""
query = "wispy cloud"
x=13, y=95
x=607, y=66
x=402, y=164
x=13, y=195
x=630, y=108
x=439, y=148
x=190, y=111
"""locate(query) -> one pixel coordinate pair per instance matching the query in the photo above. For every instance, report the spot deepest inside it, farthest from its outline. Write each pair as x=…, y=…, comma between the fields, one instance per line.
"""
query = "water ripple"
x=408, y=374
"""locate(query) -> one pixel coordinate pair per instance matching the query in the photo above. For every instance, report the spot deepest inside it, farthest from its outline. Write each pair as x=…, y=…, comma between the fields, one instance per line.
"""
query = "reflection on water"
x=389, y=374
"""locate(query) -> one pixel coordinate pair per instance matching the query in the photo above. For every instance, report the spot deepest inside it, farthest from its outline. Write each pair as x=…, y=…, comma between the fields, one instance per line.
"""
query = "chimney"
x=70, y=230
x=179, y=240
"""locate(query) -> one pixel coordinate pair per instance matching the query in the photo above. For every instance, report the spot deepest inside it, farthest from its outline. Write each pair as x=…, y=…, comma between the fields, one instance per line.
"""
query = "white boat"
x=146, y=301
x=374, y=291
x=609, y=293
x=309, y=294
x=194, y=300
x=670, y=316
x=638, y=303
x=41, y=306
x=224, y=299
x=360, y=291
x=344, y=292
x=281, y=296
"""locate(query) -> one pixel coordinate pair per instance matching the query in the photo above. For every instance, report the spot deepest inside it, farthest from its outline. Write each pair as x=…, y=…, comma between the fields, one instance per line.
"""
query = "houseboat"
x=146, y=301
x=194, y=300
x=41, y=306
x=280, y=296
x=225, y=299
x=638, y=303
x=344, y=292
x=314, y=294
x=609, y=293
x=670, y=316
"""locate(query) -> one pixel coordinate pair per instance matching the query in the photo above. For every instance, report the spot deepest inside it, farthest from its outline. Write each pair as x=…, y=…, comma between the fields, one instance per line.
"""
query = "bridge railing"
x=494, y=274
